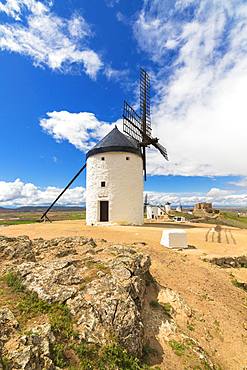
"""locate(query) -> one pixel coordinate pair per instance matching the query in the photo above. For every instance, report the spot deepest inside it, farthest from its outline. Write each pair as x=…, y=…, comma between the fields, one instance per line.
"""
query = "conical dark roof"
x=115, y=141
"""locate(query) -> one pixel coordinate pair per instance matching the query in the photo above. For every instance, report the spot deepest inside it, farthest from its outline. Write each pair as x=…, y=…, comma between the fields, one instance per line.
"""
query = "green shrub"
x=57, y=352
x=5, y=363
x=14, y=282
x=191, y=327
x=154, y=304
x=60, y=320
x=178, y=348
x=31, y=305
x=239, y=284
x=167, y=307
x=110, y=357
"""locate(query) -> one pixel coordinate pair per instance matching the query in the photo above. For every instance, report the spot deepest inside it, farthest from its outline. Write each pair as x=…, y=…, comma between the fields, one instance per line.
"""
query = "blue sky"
x=66, y=68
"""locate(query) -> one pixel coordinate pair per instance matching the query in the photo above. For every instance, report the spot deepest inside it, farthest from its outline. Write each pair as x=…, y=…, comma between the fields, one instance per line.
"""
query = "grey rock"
x=19, y=249
x=8, y=324
x=228, y=262
x=105, y=308
x=32, y=351
x=54, y=281
x=105, y=294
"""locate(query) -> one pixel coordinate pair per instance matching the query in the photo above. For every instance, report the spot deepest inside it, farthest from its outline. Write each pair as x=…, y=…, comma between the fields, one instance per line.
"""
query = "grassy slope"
x=232, y=219
x=17, y=218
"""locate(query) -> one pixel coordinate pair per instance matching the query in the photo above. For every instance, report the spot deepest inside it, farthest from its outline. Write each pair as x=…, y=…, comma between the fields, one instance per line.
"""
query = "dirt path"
x=219, y=319
x=229, y=241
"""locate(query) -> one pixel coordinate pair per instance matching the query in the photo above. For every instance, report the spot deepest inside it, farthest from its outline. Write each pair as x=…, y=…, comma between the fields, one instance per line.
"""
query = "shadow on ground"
x=218, y=235
x=154, y=318
x=169, y=225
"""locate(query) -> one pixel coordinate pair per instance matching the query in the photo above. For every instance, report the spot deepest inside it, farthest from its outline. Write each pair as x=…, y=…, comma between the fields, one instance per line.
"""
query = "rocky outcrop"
x=8, y=324
x=228, y=262
x=112, y=304
x=53, y=281
x=103, y=286
x=31, y=351
x=17, y=249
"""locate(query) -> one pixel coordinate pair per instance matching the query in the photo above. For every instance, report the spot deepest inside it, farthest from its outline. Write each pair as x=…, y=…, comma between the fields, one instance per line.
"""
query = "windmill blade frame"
x=132, y=122
x=139, y=126
x=145, y=110
x=161, y=149
x=149, y=140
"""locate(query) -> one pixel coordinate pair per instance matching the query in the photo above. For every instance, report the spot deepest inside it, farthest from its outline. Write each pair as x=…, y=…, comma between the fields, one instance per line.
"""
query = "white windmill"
x=115, y=167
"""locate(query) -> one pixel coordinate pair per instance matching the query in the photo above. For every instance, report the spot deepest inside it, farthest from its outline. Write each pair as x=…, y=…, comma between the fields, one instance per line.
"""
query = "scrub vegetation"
x=17, y=217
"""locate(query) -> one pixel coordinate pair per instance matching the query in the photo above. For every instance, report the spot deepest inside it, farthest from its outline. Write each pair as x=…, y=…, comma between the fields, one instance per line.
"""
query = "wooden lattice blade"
x=132, y=124
x=162, y=149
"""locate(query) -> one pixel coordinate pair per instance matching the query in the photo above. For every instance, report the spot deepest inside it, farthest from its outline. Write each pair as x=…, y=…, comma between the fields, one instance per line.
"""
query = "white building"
x=168, y=207
x=152, y=212
x=114, y=181
x=161, y=211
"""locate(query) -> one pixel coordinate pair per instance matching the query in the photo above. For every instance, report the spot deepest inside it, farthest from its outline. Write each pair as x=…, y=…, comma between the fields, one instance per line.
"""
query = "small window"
x=102, y=158
x=103, y=184
x=127, y=158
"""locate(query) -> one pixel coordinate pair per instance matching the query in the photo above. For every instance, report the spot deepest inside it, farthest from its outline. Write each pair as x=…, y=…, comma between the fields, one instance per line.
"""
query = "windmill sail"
x=139, y=126
x=145, y=102
x=162, y=149
x=132, y=124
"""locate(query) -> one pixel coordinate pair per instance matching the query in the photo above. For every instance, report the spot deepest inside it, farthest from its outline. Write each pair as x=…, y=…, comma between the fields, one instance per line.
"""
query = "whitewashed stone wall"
x=123, y=190
x=152, y=212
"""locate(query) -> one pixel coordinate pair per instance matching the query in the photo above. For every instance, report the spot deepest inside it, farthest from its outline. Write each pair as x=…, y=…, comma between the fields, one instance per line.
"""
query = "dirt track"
x=219, y=308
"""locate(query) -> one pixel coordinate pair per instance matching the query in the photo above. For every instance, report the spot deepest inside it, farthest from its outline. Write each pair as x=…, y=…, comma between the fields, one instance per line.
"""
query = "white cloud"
x=111, y=3
x=14, y=8
x=18, y=193
x=47, y=39
x=218, y=197
x=199, y=111
x=82, y=130
x=116, y=74
x=242, y=182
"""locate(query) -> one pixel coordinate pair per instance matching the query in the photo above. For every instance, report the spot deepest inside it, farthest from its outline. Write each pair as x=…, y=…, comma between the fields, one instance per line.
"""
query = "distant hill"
x=41, y=209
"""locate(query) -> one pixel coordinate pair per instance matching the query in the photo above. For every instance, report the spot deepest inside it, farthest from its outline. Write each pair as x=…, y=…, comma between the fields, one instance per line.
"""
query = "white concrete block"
x=175, y=238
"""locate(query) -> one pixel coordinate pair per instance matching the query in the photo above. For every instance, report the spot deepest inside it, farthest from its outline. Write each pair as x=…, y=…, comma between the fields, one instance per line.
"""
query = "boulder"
x=8, y=324
x=31, y=351
x=17, y=249
x=229, y=262
x=54, y=281
x=102, y=284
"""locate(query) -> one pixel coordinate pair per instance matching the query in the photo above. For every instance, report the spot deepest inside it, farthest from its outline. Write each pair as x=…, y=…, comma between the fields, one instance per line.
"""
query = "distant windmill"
x=115, y=167
x=139, y=126
x=146, y=203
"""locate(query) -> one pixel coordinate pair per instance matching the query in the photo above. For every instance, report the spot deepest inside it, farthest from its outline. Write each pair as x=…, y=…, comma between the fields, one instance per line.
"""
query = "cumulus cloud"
x=49, y=40
x=219, y=197
x=242, y=182
x=116, y=74
x=82, y=130
x=199, y=110
x=14, y=8
x=18, y=193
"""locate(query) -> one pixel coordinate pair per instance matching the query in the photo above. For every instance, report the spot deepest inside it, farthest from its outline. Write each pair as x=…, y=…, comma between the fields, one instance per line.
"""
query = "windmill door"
x=104, y=211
